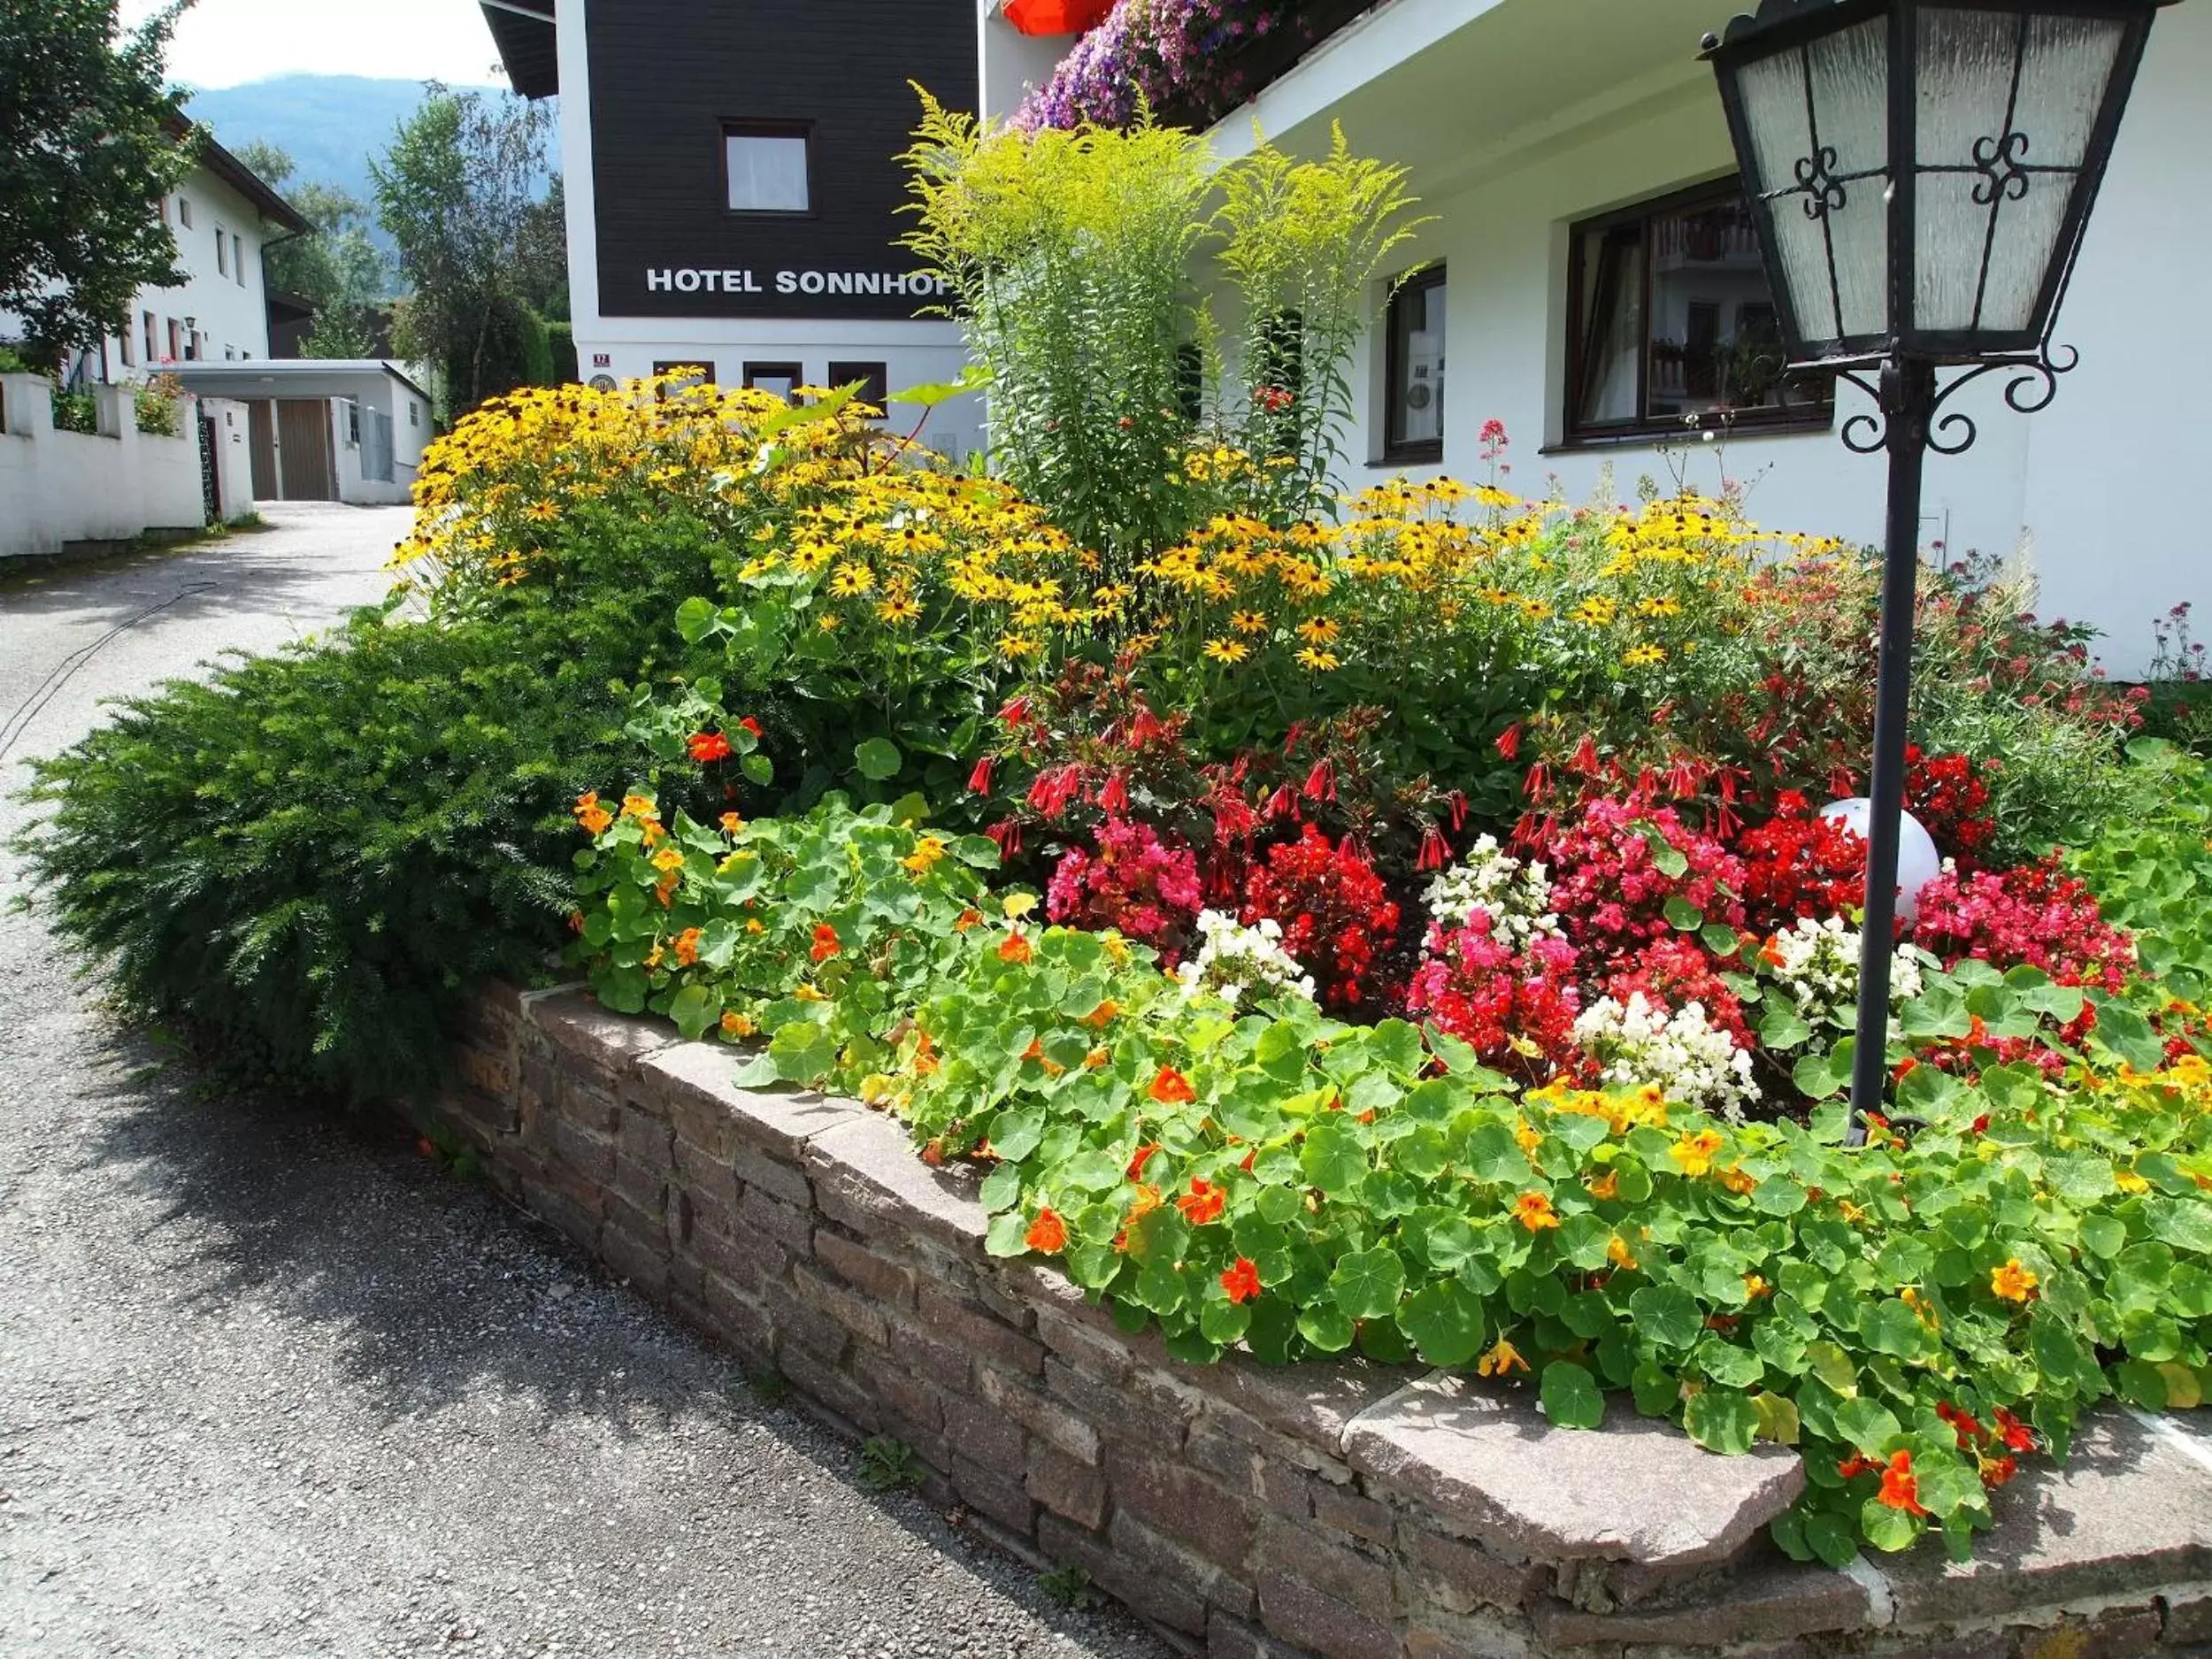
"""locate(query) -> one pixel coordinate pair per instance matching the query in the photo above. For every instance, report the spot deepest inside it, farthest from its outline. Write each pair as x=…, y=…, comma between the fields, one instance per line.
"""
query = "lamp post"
x=1920, y=173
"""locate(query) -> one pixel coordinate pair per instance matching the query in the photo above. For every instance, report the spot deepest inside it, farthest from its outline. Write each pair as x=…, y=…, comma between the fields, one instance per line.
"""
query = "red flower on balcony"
x=1056, y=17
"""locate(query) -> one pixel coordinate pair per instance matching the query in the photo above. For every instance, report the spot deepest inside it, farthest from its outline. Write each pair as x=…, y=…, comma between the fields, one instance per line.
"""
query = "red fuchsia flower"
x=1015, y=713
x=1284, y=803
x=1509, y=740
x=708, y=746
x=1203, y=1203
x=1048, y=1234
x=1321, y=781
x=1129, y=879
x=1113, y=798
x=826, y=943
x=1008, y=834
x=1170, y=1087
x=1457, y=802
x=1147, y=728
x=1053, y=788
x=979, y=779
x=753, y=727
x=1242, y=1281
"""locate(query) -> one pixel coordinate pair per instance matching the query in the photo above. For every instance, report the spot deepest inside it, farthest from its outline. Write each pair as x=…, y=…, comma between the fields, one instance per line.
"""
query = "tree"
x=87, y=150
x=456, y=192
x=337, y=268
x=542, y=261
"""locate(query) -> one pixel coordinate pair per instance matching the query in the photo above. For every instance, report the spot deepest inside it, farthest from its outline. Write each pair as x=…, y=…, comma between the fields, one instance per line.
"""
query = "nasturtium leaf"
x=1724, y=1363
x=1443, y=1320
x=2103, y=1235
x=1893, y=1328
x=759, y=1073
x=1569, y=1397
x=1665, y=857
x=1684, y=916
x=1657, y=1390
x=1015, y=1134
x=1008, y=1234
x=2057, y=1352
x=1325, y=1326
x=1887, y=1528
x=2140, y=1384
x=802, y=1051
x=1495, y=1156
x=1869, y=1425
x=1580, y=1130
x=694, y=1009
x=1722, y=939
x=1779, y=1346
x=2185, y=1224
x=758, y=768
x=1816, y=1076
x=1722, y=1420
x=1222, y=1322
x=2079, y=1180
x=1367, y=1283
x=1333, y=1159
x=1783, y=1028
x=1667, y=1316
x=877, y=758
x=1777, y=1418
x=1001, y=1188
x=1830, y=1537
x=1778, y=1195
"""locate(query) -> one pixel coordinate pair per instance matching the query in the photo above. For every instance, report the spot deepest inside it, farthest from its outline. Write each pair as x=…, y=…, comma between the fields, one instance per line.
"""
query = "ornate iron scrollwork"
x=1999, y=162
x=2031, y=389
x=1816, y=176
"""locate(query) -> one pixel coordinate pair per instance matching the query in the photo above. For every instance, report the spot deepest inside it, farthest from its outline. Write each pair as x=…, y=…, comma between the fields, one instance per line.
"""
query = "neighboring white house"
x=1599, y=288
x=322, y=428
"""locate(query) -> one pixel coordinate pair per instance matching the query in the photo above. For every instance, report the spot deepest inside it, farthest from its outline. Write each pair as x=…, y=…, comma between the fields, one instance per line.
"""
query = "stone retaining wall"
x=1345, y=1511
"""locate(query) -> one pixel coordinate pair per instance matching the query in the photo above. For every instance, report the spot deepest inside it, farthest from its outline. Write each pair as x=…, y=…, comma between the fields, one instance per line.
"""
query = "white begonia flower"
x=1242, y=965
x=1517, y=895
x=1691, y=1061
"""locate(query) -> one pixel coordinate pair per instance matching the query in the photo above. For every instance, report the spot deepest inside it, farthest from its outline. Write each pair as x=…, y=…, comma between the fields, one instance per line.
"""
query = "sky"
x=225, y=43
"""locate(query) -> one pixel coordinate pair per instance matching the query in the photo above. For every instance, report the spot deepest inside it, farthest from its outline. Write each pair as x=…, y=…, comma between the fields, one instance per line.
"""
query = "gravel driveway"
x=270, y=1386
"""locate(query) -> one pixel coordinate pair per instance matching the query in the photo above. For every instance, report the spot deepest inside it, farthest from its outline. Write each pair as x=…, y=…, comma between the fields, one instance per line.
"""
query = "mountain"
x=329, y=125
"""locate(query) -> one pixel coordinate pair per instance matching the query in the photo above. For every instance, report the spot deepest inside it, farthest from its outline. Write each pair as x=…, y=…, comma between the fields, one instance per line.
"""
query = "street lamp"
x=1920, y=173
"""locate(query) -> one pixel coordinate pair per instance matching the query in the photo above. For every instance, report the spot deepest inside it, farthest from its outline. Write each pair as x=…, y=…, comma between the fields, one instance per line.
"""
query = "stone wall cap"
x=1635, y=1490
x=575, y=1020
x=2131, y=1509
x=1776, y=1602
x=865, y=1170
x=783, y=1120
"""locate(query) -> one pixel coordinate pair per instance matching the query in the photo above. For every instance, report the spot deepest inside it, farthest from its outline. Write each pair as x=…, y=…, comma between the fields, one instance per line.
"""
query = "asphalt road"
x=270, y=1386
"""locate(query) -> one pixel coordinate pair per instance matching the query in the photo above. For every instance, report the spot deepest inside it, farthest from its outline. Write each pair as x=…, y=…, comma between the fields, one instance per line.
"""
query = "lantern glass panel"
x=2005, y=105
x=1817, y=115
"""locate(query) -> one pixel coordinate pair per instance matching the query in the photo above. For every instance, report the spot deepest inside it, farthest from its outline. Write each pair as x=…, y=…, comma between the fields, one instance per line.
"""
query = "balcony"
x=1195, y=61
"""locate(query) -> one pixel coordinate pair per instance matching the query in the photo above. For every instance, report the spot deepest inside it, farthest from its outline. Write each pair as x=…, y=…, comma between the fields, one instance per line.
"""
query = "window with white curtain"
x=766, y=167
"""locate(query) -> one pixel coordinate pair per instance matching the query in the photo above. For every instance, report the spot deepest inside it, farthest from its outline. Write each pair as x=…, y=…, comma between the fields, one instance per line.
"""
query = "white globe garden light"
x=1917, y=861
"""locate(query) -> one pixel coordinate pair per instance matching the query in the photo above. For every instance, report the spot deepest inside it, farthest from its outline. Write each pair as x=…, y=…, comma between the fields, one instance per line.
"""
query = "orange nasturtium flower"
x=1203, y=1203
x=1606, y=1186
x=737, y=1025
x=668, y=861
x=593, y=817
x=639, y=806
x=686, y=947
x=1048, y=1234
x=1015, y=947
x=2012, y=1281
x=1533, y=1211
x=1617, y=1251
x=1143, y=1157
x=1901, y=1488
x=1242, y=1281
x=732, y=823
x=1170, y=1087
x=1103, y=1016
x=1501, y=1360
x=826, y=943
x=708, y=746
x=967, y=918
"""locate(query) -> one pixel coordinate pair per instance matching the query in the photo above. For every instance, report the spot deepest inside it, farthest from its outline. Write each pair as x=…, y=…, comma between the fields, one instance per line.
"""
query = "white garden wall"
x=60, y=488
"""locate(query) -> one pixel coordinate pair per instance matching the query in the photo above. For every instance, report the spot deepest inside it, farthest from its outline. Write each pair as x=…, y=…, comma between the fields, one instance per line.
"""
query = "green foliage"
x=159, y=406
x=455, y=191
x=86, y=155
x=306, y=862
x=75, y=412
x=2150, y=865
x=1068, y=1587
x=1069, y=253
x=889, y=1465
x=337, y=268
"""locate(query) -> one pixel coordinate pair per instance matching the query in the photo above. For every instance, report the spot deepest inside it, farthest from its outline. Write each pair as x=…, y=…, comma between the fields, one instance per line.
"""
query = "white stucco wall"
x=2097, y=493
x=56, y=487
x=230, y=305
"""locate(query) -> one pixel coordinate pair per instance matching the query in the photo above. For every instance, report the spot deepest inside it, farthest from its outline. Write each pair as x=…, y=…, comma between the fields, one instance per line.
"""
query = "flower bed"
x=1500, y=1027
